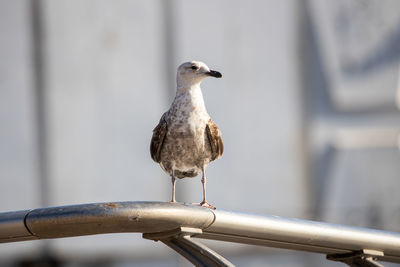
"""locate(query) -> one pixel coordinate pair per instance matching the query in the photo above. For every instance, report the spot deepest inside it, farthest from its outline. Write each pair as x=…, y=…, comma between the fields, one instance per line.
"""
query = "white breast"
x=188, y=112
x=185, y=148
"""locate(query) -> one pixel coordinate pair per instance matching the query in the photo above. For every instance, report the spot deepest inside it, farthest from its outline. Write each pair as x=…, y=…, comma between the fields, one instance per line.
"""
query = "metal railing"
x=176, y=224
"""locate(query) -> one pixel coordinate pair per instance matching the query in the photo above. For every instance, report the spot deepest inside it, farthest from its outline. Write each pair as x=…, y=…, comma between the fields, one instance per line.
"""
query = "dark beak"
x=214, y=73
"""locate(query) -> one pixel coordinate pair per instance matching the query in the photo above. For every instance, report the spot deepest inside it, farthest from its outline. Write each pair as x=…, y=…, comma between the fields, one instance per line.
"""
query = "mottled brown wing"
x=214, y=137
x=157, y=139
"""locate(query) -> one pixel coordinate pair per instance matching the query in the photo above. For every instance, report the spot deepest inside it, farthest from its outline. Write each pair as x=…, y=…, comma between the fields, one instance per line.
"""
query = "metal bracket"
x=361, y=258
x=197, y=253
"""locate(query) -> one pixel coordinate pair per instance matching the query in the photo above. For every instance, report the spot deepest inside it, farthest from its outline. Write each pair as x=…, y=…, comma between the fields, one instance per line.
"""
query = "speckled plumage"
x=186, y=139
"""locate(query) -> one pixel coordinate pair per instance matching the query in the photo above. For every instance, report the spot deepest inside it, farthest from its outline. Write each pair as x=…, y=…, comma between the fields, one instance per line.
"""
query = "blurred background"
x=308, y=107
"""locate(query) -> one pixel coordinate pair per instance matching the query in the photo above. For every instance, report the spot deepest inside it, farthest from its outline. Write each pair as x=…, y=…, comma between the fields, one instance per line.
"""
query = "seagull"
x=186, y=140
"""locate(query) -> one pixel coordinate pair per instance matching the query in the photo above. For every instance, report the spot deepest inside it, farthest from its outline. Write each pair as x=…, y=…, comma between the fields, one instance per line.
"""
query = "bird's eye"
x=195, y=68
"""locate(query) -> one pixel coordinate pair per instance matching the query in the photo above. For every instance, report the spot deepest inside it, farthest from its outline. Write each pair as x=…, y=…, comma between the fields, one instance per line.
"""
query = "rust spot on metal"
x=135, y=218
x=112, y=205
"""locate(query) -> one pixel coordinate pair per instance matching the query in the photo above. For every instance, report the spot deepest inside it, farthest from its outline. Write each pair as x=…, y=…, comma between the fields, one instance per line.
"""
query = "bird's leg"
x=204, y=203
x=173, y=180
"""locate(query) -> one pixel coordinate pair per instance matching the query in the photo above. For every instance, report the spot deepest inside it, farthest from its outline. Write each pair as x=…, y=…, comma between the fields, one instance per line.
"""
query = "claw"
x=204, y=204
x=207, y=205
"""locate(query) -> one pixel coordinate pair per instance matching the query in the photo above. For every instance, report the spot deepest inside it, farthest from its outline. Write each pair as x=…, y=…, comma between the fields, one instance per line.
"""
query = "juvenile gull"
x=186, y=140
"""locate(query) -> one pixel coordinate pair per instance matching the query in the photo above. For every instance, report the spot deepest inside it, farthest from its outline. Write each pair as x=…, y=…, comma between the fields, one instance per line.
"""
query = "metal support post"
x=361, y=258
x=181, y=241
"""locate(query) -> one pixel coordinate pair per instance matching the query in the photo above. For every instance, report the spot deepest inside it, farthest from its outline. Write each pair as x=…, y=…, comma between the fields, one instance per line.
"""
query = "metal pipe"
x=304, y=235
x=117, y=217
x=12, y=227
x=153, y=217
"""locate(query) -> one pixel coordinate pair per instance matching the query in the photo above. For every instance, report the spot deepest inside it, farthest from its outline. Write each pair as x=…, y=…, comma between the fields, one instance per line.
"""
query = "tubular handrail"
x=165, y=221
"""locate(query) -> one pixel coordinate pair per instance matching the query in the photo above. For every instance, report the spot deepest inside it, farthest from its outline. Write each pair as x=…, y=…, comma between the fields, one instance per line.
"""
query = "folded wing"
x=157, y=139
x=214, y=137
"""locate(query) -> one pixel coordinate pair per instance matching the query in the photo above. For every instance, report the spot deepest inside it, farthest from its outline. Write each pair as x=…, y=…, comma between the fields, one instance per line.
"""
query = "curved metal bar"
x=303, y=235
x=158, y=217
x=12, y=227
x=116, y=217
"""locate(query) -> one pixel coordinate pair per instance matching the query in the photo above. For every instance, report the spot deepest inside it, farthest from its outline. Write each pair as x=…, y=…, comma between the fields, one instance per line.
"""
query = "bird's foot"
x=207, y=205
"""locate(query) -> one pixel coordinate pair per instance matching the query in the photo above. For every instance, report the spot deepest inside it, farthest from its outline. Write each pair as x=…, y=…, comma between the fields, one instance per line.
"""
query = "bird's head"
x=191, y=73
